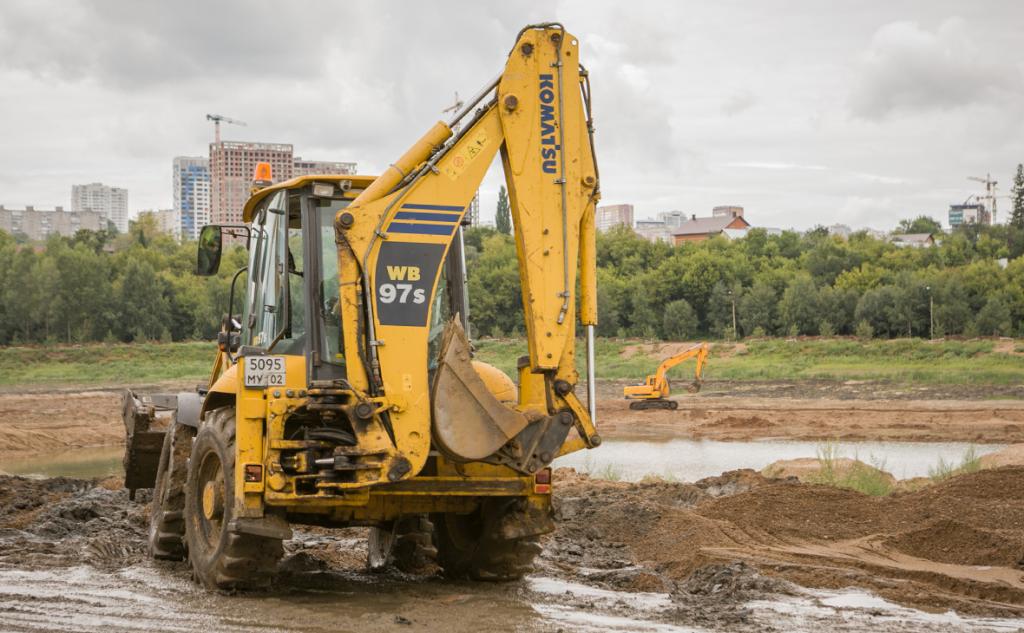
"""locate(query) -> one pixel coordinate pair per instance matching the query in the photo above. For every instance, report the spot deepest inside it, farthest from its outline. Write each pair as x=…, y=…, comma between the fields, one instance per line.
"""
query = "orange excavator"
x=653, y=393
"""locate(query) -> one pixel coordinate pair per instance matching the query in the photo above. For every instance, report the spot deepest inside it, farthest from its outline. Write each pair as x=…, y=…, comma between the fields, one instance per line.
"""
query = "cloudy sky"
x=803, y=112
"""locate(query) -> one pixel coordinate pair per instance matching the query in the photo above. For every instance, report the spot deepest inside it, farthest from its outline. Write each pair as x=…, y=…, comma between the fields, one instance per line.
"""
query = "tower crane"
x=217, y=120
x=990, y=191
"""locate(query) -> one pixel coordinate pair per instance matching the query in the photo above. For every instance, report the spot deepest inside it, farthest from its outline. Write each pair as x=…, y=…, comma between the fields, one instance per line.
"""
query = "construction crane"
x=990, y=192
x=217, y=120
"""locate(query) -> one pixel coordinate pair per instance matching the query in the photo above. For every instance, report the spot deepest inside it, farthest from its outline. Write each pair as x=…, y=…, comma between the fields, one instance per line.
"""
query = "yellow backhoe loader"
x=654, y=392
x=345, y=392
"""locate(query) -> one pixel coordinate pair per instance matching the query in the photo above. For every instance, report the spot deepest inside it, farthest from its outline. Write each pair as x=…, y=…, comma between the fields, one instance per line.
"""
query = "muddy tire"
x=222, y=559
x=408, y=545
x=166, y=540
x=467, y=548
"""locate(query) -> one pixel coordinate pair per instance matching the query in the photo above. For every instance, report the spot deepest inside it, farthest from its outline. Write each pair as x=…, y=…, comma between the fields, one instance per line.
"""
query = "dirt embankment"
x=745, y=418
x=55, y=422
x=59, y=421
x=956, y=545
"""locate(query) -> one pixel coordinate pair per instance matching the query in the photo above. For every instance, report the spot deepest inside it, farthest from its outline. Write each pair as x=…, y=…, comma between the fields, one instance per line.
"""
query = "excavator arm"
x=394, y=237
x=660, y=376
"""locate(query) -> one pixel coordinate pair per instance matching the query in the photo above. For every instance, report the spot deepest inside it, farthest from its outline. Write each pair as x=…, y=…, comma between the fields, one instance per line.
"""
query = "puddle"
x=690, y=460
x=151, y=597
x=85, y=463
x=869, y=611
x=683, y=460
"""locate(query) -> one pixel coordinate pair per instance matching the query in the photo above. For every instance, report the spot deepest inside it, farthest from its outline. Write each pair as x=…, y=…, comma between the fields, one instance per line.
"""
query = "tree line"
x=970, y=283
x=100, y=286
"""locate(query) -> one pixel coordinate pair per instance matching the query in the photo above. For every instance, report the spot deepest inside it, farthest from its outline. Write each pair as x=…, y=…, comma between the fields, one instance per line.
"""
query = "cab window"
x=274, y=318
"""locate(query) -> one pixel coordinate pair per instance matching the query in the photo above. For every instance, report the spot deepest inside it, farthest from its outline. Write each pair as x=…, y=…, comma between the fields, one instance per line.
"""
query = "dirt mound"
x=734, y=422
x=810, y=469
x=1012, y=455
x=949, y=541
x=921, y=548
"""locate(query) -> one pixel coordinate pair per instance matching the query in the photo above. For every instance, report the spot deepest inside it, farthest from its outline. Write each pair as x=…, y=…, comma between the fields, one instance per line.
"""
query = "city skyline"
x=825, y=116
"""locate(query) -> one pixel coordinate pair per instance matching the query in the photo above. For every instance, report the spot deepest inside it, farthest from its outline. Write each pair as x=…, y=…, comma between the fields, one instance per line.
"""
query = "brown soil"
x=740, y=418
x=956, y=545
x=55, y=422
x=713, y=546
x=809, y=469
x=59, y=421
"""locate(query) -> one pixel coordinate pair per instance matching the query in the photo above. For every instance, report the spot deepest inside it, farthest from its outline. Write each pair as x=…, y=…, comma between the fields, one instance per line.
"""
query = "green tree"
x=1017, y=196
x=920, y=224
x=720, y=309
x=877, y=308
x=680, y=322
x=994, y=318
x=757, y=308
x=503, y=214
x=800, y=306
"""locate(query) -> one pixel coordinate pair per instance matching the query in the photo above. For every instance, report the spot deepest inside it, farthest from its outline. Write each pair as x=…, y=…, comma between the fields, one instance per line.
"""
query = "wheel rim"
x=210, y=486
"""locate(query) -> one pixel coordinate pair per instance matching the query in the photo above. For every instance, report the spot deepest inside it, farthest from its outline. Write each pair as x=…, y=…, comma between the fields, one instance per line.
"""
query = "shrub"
x=864, y=330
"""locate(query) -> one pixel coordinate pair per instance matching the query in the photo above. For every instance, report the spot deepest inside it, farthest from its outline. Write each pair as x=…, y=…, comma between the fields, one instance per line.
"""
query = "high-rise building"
x=232, y=165
x=968, y=214
x=191, y=185
x=321, y=168
x=109, y=202
x=38, y=224
x=614, y=215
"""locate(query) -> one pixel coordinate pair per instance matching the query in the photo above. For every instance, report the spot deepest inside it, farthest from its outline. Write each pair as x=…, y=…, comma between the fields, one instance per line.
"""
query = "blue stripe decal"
x=421, y=229
x=432, y=207
x=432, y=217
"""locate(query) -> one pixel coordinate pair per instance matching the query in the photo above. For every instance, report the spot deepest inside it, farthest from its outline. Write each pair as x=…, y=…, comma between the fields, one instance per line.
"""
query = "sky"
x=803, y=112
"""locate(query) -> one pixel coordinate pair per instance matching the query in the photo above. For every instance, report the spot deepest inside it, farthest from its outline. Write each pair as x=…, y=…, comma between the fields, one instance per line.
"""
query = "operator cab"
x=291, y=304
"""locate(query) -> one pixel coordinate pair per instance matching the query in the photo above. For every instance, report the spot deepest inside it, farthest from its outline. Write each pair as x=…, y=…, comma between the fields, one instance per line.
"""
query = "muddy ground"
x=811, y=410
x=730, y=553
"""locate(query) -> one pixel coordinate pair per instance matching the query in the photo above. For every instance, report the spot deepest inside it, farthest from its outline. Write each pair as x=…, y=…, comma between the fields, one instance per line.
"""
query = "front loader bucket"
x=469, y=422
x=142, y=446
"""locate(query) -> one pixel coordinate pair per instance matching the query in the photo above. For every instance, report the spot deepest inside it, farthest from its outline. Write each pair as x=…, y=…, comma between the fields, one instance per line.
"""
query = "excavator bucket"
x=469, y=422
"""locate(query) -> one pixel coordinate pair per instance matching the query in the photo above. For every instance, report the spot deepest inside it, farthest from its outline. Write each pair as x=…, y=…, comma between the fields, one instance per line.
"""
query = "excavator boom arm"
x=395, y=235
x=700, y=351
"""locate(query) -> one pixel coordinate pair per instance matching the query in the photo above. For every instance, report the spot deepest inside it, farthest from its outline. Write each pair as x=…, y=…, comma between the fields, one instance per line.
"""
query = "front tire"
x=222, y=559
x=166, y=539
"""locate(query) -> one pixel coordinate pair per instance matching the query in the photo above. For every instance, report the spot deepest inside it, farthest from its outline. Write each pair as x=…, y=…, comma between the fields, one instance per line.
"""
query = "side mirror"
x=210, y=248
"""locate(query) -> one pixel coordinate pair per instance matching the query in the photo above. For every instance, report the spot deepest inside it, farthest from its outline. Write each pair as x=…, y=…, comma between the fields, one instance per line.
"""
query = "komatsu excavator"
x=654, y=391
x=345, y=392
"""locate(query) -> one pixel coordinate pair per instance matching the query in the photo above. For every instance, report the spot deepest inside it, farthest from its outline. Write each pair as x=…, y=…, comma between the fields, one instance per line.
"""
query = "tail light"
x=542, y=482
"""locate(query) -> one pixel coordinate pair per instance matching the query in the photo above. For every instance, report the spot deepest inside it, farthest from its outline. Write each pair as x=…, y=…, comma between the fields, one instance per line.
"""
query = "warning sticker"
x=468, y=150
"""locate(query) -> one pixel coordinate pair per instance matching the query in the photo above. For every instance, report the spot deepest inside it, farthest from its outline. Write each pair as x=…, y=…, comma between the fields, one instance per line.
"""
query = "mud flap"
x=142, y=446
x=469, y=423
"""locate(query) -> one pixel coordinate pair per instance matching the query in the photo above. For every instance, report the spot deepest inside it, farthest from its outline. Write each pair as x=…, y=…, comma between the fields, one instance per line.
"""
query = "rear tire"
x=166, y=539
x=407, y=545
x=468, y=547
x=222, y=559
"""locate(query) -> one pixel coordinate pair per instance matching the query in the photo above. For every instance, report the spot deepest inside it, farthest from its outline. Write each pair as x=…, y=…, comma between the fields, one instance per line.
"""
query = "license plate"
x=264, y=371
